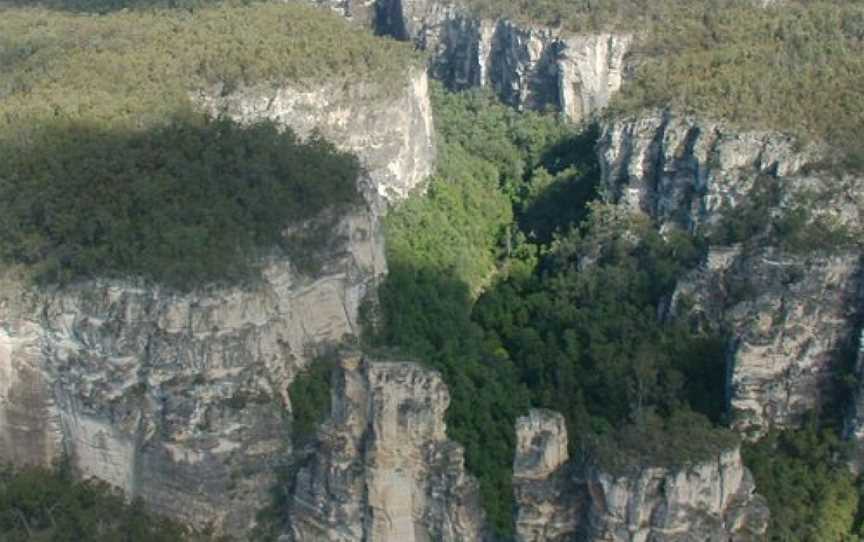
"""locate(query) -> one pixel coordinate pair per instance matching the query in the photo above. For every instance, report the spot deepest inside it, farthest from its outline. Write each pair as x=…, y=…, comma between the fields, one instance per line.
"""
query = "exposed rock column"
x=382, y=468
x=549, y=500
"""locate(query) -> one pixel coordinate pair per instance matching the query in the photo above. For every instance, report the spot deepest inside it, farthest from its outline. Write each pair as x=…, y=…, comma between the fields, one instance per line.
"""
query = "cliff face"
x=711, y=500
x=391, y=131
x=180, y=398
x=550, y=501
x=527, y=66
x=791, y=312
x=382, y=468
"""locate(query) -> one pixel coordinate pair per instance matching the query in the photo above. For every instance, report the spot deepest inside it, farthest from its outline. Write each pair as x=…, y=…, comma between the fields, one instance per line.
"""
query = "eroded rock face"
x=180, y=398
x=550, y=500
x=709, y=501
x=712, y=500
x=382, y=468
x=792, y=313
x=527, y=66
x=390, y=129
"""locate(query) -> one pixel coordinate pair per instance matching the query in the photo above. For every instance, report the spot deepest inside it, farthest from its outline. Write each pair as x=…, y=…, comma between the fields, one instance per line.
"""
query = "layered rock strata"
x=710, y=500
x=790, y=312
x=527, y=66
x=382, y=468
x=179, y=398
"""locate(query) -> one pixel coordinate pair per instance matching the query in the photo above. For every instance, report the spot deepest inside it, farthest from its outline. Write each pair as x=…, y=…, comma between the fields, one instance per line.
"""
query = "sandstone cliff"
x=527, y=66
x=790, y=308
x=710, y=500
x=382, y=468
x=180, y=398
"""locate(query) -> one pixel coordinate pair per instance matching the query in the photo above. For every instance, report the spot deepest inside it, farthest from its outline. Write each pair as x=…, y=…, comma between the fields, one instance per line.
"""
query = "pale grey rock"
x=549, y=500
x=711, y=500
x=361, y=12
x=791, y=315
x=178, y=399
x=527, y=66
x=181, y=398
x=382, y=468
x=388, y=125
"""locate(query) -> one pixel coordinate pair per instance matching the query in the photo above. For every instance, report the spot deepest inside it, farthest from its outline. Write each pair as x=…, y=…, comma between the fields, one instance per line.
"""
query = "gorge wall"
x=180, y=398
x=527, y=66
x=711, y=500
x=382, y=468
x=790, y=306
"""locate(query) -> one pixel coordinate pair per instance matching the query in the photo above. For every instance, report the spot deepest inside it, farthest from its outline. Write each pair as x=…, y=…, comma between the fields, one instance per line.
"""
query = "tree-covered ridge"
x=192, y=202
x=137, y=66
x=108, y=169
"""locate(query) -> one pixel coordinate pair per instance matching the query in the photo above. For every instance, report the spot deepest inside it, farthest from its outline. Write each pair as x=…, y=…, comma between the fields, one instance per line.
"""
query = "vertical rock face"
x=549, y=499
x=527, y=66
x=791, y=313
x=382, y=468
x=390, y=129
x=711, y=500
x=180, y=398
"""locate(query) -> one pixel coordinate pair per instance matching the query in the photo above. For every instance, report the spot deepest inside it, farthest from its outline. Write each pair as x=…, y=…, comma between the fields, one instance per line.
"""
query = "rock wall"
x=181, y=398
x=390, y=128
x=709, y=501
x=550, y=501
x=527, y=66
x=382, y=468
x=791, y=314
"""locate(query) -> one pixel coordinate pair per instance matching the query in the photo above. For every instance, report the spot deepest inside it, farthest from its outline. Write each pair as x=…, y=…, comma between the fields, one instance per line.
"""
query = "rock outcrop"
x=549, y=499
x=708, y=501
x=527, y=66
x=179, y=398
x=390, y=128
x=711, y=500
x=382, y=468
x=791, y=312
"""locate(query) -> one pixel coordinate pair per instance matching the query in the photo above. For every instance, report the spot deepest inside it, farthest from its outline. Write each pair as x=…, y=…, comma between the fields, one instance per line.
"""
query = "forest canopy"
x=106, y=166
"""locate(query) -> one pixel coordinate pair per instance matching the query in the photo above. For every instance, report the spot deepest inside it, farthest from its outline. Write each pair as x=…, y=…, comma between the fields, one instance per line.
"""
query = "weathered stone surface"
x=709, y=501
x=527, y=66
x=390, y=129
x=712, y=500
x=791, y=314
x=382, y=468
x=180, y=398
x=175, y=398
x=549, y=499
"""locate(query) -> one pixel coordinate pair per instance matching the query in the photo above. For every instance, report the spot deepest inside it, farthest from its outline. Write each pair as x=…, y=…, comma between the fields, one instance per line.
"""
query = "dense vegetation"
x=795, y=66
x=310, y=398
x=107, y=169
x=182, y=204
x=549, y=329
x=811, y=493
x=49, y=505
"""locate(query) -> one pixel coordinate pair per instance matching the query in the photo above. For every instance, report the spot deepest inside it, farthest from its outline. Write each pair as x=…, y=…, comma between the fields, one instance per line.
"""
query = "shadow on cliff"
x=189, y=202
